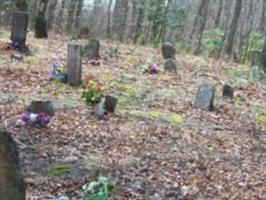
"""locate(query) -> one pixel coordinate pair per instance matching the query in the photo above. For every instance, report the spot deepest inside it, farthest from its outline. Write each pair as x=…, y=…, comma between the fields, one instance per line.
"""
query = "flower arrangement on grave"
x=58, y=73
x=10, y=46
x=33, y=120
x=151, y=68
x=93, y=91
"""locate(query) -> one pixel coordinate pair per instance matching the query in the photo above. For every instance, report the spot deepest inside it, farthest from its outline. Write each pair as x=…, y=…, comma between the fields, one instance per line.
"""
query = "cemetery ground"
x=156, y=145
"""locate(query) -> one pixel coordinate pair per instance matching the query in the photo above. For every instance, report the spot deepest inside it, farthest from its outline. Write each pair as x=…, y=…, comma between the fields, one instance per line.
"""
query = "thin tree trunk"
x=200, y=24
x=109, y=19
x=219, y=13
x=233, y=27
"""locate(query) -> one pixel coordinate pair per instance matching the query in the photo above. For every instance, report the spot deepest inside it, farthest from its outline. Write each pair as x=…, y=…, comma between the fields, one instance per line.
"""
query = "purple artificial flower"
x=25, y=117
x=43, y=119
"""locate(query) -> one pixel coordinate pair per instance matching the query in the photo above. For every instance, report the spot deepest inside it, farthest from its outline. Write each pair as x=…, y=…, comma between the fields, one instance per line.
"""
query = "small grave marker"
x=110, y=103
x=228, y=91
x=74, y=64
x=204, y=97
x=91, y=50
x=41, y=107
x=168, y=50
x=170, y=66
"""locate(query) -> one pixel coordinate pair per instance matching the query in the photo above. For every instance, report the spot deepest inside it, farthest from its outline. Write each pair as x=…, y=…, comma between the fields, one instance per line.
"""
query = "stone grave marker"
x=41, y=107
x=170, y=66
x=228, y=92
x=19, y=28
x=204, y=97
x=74, y=64
x=91, y=50
x=99, y=109
x=168, y=50
x=11, y=183
x=110, y=103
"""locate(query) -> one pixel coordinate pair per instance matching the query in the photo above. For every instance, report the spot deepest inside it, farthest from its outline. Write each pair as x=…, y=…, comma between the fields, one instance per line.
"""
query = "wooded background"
x=215, y=27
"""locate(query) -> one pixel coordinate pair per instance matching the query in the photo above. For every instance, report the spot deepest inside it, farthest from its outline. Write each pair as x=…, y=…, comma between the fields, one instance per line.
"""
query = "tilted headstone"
x=41, y=107
x=11, y=183
x=91, y=50
x=19, y=28
x=74, y=64
x=110, y=103
x=168, y=50
x=99, y=109
x=255, y=58
x=228, y=91
x=204, y=97
x=170, y=66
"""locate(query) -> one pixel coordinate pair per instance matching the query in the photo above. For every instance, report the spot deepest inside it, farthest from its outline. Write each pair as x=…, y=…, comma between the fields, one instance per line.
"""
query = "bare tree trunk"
x=163, y=27
x=139, y=22
x=50, y=14
x=219, y=13
x=199, y=25
x=233, y=27
x=76, y=23
x=263, y=17
x=109, y=19
x=40, y=22
x=120, y=18
x=264, y=54
x=70, y=16
x=60, y=16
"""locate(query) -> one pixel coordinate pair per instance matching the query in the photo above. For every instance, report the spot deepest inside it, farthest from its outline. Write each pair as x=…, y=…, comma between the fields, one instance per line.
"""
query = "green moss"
x=261, y=117
x=58, y=170
x=155, y=115
x=176, y=119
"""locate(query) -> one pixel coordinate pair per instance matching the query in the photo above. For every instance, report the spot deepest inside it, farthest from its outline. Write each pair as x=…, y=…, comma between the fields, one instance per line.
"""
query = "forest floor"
x=156, y=145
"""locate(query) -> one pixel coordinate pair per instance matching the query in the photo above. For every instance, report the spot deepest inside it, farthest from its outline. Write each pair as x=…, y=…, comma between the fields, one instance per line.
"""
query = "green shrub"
x=212, y=41
x=254, y=43
x=100, y=189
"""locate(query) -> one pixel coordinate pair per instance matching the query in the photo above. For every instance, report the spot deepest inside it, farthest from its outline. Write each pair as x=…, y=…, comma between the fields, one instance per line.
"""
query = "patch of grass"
x=176, y=119
x=104, y=75
x=100, y=189
x=155, y=115
x=134, y=162
x=58, y=170
x=93, y=161
x=261, y=117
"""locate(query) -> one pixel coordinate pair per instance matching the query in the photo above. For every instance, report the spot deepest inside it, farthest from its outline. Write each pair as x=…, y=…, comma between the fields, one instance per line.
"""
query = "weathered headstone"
x=42, y=107
x=228, y=91
x=255, y=58
x=74, y=64
x=170, y=65
x=91, y=50
x=40, y=27
x=110, y=103
x=19, y=28
x=168, y=50
x=11, y=183
x=99, y=109
x=204, y=97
